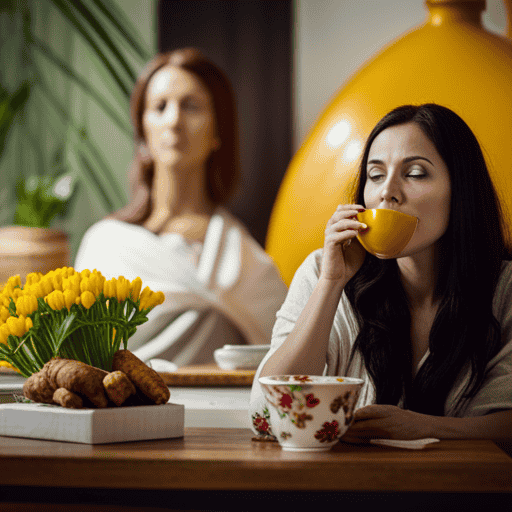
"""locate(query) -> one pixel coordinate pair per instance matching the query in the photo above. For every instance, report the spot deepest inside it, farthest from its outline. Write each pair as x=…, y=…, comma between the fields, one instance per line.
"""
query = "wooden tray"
x=208, y=375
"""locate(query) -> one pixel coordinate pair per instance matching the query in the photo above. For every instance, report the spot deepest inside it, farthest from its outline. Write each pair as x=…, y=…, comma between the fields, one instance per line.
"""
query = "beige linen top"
x=495, y=394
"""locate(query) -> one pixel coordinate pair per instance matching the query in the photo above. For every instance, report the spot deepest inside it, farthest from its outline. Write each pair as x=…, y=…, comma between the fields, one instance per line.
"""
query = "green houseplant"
x=60, y=60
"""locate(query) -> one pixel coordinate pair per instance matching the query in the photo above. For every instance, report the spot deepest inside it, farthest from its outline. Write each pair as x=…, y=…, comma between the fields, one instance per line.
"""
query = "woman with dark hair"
x=430, y=332
x=175, y=234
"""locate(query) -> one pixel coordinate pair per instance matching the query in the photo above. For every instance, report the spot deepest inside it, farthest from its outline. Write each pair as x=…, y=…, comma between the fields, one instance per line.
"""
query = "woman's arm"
x=391, y=422
x=304, y=350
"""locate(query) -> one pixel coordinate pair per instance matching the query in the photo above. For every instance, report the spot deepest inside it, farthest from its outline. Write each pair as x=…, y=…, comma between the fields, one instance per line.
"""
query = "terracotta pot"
x=24, y=250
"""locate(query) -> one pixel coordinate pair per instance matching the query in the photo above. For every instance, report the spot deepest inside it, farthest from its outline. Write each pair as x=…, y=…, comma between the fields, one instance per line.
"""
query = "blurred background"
x=67, y=68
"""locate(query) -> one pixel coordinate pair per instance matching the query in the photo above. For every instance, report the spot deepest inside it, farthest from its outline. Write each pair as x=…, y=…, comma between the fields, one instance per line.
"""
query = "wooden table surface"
x=210, y=459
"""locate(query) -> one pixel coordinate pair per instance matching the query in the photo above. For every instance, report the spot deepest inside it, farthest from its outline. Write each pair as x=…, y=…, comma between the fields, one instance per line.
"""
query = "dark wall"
x=251, y=41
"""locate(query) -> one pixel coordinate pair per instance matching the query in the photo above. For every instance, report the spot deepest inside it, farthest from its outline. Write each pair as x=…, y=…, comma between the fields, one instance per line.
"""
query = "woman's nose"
x=172, y=115
x=391, y=192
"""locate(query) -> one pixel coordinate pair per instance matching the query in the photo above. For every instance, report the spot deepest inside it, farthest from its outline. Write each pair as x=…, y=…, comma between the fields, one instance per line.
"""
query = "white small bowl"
x=309, y=412
x=240, y=357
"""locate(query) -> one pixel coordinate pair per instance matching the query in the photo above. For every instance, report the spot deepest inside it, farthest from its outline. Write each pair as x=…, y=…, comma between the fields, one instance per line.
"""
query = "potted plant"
x=41, y=82
x=31, y=244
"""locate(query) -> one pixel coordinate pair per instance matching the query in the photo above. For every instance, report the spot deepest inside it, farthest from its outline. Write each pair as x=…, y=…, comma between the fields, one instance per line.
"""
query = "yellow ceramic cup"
x=388, y=231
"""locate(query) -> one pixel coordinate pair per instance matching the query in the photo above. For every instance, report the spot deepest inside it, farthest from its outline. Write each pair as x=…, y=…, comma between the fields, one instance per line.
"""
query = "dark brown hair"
x=222, y=167
x=465, y=331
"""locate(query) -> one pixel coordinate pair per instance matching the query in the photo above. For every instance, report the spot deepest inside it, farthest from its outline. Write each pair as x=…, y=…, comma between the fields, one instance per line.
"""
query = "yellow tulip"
x=145, y=294
x=136, y=286
x=26, y=304
x=96, y=280
x=109, y=288
x=32, y=278
x=67, y=272
x=72, y=283
x=16, y=325
x=87, y=299
x=16, y=293
x=4, y=314
x=14, y=281
x=56, y=300
x=57, y=281
x=85, y=273
x=46, y=286
x=4, y=333
x=86, y=285
x=157, y=299
x=28, y=324
x=69, y=298
x=122, y=288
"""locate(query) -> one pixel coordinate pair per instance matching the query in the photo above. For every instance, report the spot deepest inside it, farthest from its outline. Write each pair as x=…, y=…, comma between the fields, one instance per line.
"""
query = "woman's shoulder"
x=310, y=267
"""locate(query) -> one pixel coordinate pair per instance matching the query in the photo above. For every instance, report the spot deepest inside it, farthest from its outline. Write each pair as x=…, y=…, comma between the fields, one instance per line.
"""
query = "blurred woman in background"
x=220, y=285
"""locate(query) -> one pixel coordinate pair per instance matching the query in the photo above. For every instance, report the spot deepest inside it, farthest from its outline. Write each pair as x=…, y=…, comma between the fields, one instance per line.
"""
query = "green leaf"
x=79, y=27
x=96, y=25
x=53, y=57
x=86, y=144
x=94, y=178
x=27, y=215
x=64, y=330
x=123, y=25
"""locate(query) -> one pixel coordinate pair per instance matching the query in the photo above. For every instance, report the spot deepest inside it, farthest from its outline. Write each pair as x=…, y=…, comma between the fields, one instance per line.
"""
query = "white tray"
x=92, y=426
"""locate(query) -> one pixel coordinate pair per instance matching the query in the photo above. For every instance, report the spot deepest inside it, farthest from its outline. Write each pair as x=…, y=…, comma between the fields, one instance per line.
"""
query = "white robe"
x=226, y=291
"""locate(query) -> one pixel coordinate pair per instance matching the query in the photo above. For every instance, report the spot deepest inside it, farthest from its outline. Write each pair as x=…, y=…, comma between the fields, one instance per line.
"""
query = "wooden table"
x=227, y=470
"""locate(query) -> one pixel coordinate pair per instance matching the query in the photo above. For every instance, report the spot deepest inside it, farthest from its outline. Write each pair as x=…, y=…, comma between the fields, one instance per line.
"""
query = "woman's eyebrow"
x=412, y=158
x=405, y=160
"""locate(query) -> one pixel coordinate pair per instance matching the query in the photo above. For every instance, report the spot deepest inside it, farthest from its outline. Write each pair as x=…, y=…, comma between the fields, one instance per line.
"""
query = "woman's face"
x=406, y=173
x=178, y=120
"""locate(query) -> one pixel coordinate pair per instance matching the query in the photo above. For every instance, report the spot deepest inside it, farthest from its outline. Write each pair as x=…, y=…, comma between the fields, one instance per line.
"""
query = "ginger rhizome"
x=74, y=384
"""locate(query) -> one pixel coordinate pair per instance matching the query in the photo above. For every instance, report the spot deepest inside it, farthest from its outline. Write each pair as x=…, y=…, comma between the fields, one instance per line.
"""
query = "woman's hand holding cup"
x=343, y=255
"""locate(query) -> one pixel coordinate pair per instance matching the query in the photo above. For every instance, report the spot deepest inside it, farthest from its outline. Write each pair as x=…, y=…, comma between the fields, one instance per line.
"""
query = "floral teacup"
x=309, y=412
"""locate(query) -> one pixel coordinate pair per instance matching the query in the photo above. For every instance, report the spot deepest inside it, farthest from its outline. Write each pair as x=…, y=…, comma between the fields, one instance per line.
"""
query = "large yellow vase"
x=451, y=60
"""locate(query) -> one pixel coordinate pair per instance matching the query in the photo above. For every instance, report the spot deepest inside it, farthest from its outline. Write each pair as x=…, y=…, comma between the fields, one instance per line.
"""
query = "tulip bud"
x=69, y=298
x=87, y=299
x=56, y=300
x=122, y=288
x=16, y=325
x=4, y=333
x=135, y=288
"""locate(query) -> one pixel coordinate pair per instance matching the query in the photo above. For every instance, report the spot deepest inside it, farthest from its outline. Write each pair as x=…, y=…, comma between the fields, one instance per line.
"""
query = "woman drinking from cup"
x=428, y=330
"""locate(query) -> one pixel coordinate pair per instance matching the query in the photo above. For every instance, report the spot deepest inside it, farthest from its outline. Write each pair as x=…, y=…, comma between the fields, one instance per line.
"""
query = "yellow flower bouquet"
x=69, y=314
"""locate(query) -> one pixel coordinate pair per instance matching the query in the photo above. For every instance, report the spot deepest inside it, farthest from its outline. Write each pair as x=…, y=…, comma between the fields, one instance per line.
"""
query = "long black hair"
x=464, y=334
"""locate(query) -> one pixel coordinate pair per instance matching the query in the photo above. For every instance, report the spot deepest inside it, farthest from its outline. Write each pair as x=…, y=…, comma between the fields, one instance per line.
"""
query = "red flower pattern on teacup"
x=329, y=432
x=311, y=400
x=261, y=423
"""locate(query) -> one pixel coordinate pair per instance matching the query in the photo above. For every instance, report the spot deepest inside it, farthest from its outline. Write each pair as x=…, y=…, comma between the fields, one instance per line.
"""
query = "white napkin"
x=414, y=444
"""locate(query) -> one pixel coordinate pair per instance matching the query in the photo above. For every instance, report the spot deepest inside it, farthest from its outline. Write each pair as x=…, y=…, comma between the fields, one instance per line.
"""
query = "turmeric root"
x=145, y=378
x=118, y=387
x=75, y=376
x=67, y=398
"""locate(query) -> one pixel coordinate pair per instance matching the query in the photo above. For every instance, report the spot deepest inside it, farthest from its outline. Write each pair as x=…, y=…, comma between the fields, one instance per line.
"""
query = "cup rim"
x=327, y=380
x=392, y=210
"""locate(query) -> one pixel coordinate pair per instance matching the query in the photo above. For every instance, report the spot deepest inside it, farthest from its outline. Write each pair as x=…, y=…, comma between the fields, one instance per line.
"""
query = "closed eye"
x=417, y=173
x=375, y=175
